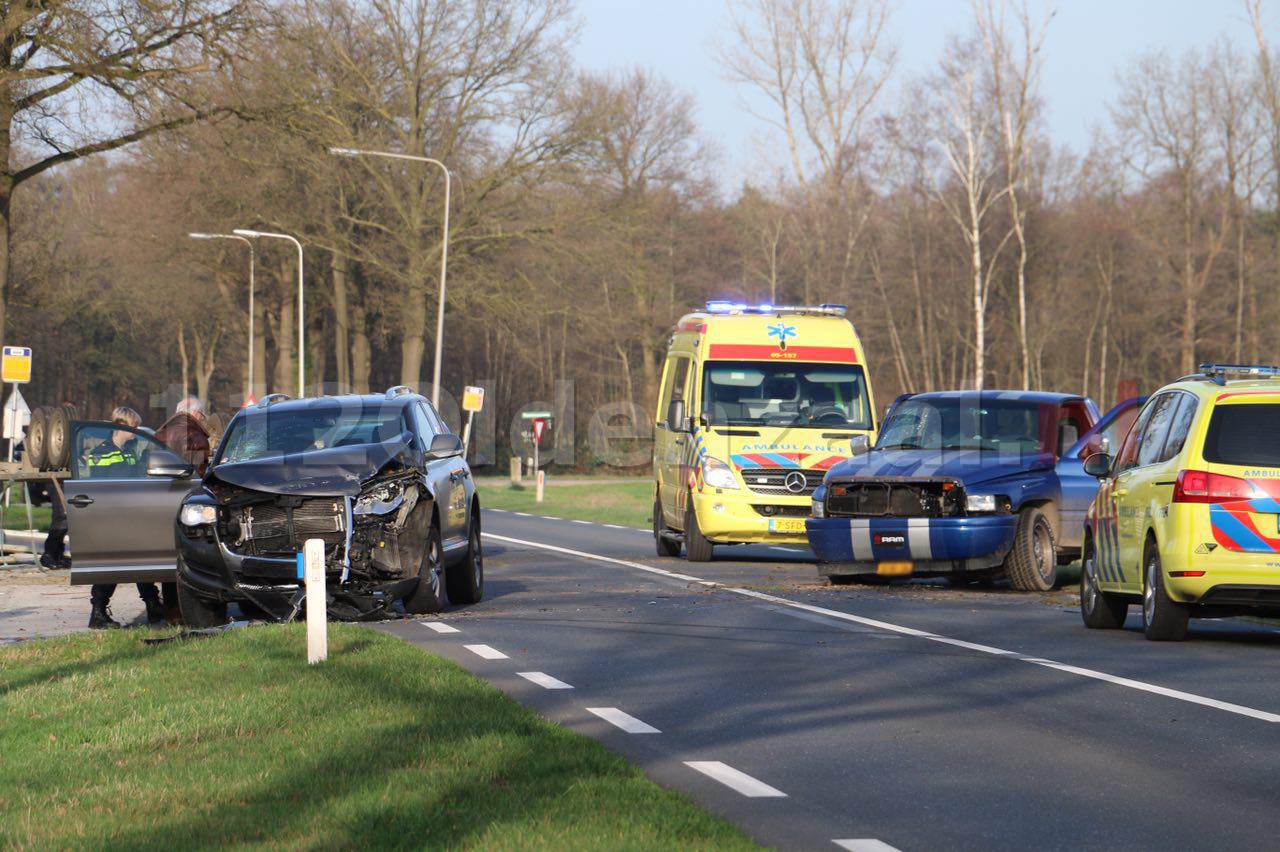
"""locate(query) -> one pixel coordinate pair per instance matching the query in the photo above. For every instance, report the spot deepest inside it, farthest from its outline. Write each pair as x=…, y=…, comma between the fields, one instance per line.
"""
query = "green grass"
x=108, y=743
x=628, y=504
x=15, y=517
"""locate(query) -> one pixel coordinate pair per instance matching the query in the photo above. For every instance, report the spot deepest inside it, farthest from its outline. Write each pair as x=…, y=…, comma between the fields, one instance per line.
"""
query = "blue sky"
x=1088, y=42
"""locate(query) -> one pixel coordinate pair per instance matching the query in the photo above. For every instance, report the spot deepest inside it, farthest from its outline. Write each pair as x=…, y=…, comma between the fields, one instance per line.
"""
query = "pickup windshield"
x=752, y=393
x=260, y=433
x=963, y=423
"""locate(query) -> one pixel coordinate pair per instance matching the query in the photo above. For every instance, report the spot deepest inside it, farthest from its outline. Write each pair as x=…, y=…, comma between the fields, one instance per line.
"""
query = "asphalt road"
x=911, y=717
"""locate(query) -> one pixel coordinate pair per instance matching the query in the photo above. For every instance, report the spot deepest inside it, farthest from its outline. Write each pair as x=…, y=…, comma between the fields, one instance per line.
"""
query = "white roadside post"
x=317, y=605
x=538, y=426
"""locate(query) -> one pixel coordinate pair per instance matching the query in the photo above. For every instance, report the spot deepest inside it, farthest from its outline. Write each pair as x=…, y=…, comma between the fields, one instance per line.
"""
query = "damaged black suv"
x=379, y=479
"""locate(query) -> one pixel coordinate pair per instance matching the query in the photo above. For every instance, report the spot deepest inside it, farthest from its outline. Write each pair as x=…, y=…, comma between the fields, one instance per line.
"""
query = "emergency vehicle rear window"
x=1244, y=435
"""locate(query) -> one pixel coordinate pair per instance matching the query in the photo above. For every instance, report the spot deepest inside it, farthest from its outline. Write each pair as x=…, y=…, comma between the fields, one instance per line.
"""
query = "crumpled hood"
x=970, y=467
x=333, y=472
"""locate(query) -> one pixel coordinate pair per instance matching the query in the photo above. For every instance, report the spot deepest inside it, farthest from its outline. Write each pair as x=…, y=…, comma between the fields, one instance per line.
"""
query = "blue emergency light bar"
x=725, y=307
x=1219, y=372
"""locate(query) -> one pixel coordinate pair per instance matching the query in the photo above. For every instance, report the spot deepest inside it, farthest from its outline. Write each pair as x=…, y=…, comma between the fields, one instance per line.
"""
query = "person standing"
x=119, y=454
x=186, y=434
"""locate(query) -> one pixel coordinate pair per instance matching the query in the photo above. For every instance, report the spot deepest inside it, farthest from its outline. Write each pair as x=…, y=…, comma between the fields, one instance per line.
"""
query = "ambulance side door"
x=671, y=446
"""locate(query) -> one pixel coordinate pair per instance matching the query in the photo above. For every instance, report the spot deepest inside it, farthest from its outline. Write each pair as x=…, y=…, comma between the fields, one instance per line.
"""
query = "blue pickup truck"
x=966, y=484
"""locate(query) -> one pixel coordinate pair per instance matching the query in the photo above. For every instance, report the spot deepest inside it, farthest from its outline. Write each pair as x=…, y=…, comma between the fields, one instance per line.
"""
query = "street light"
x=302, y=328
x=248, y=394
x=444, y=250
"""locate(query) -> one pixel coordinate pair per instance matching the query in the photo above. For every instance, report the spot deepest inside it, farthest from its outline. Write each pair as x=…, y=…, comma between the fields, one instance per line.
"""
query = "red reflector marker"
x=1186, y=573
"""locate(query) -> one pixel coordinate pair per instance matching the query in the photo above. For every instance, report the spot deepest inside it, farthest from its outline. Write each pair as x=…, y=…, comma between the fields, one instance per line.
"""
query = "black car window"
x=1244, y=434
x=257, y=433
x=1157, y=430
x=1181, y=425
x=112, y=451
x=425, y=427
x=1128, y=456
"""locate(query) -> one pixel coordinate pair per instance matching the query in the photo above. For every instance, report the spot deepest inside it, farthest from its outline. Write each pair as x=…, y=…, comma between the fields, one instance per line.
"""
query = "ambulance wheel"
x=1099, y=610
x=664, y=545
x=1032, y=564
x=1163, y=619
x=37, y=444
x=698, y=547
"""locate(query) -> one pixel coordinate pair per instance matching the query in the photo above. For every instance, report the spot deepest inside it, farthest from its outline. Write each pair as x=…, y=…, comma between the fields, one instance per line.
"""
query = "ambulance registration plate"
x=893, y=569
x=788, y=526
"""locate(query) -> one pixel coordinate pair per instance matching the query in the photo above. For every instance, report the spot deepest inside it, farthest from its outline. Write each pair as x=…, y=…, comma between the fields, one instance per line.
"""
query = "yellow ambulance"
x=757, y=402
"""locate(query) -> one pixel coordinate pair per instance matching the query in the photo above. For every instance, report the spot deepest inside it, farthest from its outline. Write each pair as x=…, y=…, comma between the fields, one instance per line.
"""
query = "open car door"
x=123, y=496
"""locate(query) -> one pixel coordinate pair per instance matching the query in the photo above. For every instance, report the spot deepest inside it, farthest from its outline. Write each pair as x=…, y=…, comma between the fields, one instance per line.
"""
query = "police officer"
x=115, y=458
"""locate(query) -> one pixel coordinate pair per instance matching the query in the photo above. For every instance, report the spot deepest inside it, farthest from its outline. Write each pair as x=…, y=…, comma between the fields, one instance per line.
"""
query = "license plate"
x=893, y=569
x=786, y=525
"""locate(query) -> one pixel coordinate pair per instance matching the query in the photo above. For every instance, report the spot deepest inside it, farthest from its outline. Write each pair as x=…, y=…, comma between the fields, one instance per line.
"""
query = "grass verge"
x=628, y=504
x=235, y=740
x=15, y=517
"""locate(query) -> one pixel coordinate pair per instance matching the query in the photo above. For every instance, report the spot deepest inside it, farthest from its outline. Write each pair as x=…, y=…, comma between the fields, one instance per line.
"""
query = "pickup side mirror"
x=444, y=446
x=165, y=463
x=860, y=445
x=1098, y=464
x=675, y=416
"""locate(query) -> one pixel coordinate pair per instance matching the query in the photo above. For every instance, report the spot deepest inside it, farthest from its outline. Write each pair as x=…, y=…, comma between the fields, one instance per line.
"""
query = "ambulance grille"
x=773, y=481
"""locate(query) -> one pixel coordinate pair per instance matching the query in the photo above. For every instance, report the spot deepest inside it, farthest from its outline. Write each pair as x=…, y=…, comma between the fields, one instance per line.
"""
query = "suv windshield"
x=1244, y=434
x=754, y=393
x=964, y=423
x=278, y=431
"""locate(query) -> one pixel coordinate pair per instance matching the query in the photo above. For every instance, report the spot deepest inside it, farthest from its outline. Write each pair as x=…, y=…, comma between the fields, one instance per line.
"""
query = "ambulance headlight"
x=717, y=474
x=198, y=515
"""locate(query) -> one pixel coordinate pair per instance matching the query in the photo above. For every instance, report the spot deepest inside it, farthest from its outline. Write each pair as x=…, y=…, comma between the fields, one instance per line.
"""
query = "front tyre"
x=698, y=547
x=1099, y=610
x=665, y=545
x=1032, y=564
x=429, y=596
x=465, y=581
x=197, y=612
x=1163, y=619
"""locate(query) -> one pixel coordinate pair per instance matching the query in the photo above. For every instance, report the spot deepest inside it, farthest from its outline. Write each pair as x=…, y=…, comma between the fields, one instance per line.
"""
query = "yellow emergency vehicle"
x=756, y=404
x=1186, y=521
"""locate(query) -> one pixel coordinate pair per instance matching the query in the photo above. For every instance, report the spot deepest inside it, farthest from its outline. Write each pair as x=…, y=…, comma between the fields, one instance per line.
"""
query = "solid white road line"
x=869, y=844
x=544, y=680
x=1129, y=683
x=485, y=652
x=618, y=719
x=740, y=782
x=438, y=626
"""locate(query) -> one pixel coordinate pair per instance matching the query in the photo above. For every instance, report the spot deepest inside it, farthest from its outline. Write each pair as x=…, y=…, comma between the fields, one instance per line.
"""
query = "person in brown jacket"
x=186, y=435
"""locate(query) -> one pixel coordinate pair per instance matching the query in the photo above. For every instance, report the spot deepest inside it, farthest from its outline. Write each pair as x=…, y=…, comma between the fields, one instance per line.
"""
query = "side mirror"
x=1098, y=464
x=675, y=416
x=860, y=445
x=163, y=463
x=444, y=446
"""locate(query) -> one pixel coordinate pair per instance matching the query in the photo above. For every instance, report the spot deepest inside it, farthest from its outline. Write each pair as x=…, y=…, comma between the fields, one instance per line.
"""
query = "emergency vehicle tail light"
x=1200, y=486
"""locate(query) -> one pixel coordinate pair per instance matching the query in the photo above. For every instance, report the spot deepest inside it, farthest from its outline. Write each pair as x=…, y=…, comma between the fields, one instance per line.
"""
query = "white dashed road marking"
x=865, y=845
x=1128, y=683
x=485, y=652
x=626, y=722
x=544, y=680
x=438, y=626
x=588, y=523
x=740, y=782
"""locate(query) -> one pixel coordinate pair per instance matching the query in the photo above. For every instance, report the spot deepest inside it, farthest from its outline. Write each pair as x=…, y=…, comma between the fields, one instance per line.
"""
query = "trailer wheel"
x=58, y=437
x=37, y=443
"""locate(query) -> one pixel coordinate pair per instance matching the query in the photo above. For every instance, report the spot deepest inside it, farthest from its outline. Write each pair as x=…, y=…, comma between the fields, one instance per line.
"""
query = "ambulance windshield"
x=761, y=393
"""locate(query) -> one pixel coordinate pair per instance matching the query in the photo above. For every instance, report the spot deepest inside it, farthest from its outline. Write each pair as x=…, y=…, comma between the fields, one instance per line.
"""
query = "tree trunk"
x=341, y=321
x=413, y=339
x=286, y=377
x=361, y=351
x=6, y=198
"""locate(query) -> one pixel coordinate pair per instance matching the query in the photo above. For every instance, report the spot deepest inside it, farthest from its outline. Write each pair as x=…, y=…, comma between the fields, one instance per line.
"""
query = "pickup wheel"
x=465, y=581
x=1099, y=610
x=664, y=545
x=198, y=613
x=1163, y=619
x=1032, y=564
x=429, y=596
x=698, y=547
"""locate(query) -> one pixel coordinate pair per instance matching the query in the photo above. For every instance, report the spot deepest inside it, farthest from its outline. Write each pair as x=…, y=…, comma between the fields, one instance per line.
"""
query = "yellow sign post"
x=472, y=401
x=15, y=367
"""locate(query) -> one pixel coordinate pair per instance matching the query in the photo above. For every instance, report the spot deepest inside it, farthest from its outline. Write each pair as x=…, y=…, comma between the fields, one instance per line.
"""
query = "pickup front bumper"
x=937, y=545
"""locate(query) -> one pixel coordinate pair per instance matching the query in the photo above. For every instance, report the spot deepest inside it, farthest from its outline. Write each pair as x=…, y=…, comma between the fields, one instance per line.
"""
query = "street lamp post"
x=248, y=393
x=302, y=328
x=444, y=250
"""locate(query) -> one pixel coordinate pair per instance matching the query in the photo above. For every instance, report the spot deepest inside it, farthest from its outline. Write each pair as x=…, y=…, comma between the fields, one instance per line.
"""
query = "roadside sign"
x=17, y=416
x=248, y=401
x=472, y=398
x=538, y=426
x=15, y=366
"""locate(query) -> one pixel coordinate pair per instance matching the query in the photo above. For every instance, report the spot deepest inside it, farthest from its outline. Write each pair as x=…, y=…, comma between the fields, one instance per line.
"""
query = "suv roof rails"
x=399, y=390
x=272, y=398
x=1217, y=373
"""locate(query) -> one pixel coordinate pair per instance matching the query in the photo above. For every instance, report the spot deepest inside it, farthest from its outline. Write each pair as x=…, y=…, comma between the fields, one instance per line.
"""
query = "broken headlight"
x=380, y=499
x=198, y=515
